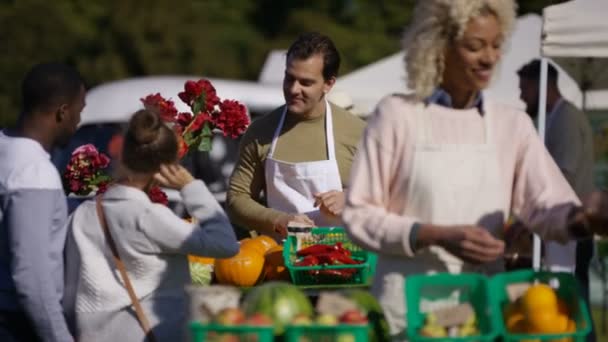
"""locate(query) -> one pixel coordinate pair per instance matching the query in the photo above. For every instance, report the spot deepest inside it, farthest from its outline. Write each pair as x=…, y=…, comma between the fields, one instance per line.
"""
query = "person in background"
x=300, y=154
x=151, y=240
x=569, y=140
x=33, y=208
x=438, y=172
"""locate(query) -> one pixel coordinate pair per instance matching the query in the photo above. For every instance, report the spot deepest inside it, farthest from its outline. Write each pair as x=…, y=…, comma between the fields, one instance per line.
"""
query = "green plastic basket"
x=567, y=289
x=242, y=333
x=455, y=289
x=302, y=275
x=324, y=333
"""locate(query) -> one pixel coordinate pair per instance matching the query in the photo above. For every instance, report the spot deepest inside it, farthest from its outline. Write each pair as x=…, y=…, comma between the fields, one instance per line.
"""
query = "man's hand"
x=593, y=218
x=173, y=176
x=471, y=243
x=280, y=225
x=330, y=203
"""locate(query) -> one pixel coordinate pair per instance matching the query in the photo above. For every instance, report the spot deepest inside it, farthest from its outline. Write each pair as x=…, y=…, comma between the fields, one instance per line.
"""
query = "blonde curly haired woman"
x=439, y=171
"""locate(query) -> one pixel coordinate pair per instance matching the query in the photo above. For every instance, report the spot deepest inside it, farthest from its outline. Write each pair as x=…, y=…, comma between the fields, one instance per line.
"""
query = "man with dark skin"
x=33, y=208
x=569, y=140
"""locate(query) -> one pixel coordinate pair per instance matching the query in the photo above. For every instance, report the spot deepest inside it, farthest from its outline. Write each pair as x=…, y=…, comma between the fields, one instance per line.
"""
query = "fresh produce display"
x=432, y=328
x=539, y=311
x=348, y=317
x=281, y=301
x=279, y=311
x=321, y=254
x=234, y=317
x=452, y=321
x=378, y=327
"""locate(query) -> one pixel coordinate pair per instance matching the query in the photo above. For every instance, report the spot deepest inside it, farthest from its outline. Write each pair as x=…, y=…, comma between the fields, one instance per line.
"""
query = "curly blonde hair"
x=434, y=24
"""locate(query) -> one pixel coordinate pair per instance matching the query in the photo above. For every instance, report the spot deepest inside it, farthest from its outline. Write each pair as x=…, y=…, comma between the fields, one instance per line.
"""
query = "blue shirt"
x=442, y=98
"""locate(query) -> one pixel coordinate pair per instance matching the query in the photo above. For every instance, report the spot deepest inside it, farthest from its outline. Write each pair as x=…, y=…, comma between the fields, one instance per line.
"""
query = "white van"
x=110, y=105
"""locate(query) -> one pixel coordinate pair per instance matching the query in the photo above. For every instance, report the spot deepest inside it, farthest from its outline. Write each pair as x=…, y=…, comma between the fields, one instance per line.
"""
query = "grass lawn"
x=597, y=318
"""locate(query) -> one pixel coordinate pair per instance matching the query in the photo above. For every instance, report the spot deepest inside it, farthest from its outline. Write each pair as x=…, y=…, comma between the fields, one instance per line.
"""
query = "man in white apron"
x=300, y=154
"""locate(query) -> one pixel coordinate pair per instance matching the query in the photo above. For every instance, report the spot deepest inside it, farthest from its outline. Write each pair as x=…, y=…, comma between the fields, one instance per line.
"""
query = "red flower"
x=158, y=196
x=84, y=172
x=193, y=91
x=87, y=149
x=161, y=106
x=182, y=147
x=102, y=187
x=184, y=119
x=232, y=118
x=199, y=121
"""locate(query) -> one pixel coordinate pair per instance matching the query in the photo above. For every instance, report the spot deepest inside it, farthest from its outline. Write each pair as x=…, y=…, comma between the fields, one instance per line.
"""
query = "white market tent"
x=575, y=36
x=368, y=85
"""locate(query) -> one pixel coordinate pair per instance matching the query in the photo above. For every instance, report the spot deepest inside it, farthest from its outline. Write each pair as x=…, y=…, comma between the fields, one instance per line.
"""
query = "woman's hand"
x=173, y=176
x=471, y=243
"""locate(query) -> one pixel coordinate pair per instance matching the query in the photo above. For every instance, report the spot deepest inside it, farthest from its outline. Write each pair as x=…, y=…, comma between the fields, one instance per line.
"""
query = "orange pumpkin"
x=201, y=260
x=260, y=243
x=243, y=269
x=274, y=268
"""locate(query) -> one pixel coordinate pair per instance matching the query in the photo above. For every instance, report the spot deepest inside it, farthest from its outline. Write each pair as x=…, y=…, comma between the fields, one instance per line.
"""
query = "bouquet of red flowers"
x=209, y=113
x=85, y=172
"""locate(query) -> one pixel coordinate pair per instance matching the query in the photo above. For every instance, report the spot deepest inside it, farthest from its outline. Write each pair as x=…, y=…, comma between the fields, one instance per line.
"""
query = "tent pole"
x=542, y=113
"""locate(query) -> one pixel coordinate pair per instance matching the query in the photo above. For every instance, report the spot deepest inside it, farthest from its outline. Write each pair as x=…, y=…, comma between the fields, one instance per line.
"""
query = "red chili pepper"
x=344, y=259
x=342, y=274
x=310, y=260
x=340, y=248
x=315, y=249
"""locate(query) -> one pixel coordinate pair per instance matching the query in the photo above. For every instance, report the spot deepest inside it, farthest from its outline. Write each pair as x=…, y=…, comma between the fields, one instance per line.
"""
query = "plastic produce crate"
x=423, y=292
x=324, y=333
x=567, y=289
x=305, y=275
x=238, y=333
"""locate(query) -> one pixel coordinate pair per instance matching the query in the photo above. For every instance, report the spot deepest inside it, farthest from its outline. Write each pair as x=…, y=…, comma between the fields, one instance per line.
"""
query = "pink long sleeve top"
x=376, y=199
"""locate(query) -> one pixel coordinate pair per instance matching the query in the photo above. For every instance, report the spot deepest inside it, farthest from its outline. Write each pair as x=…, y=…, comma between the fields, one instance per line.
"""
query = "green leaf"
x=189, y=138
x=196, y=107
x=207, y=131
x=205, y=144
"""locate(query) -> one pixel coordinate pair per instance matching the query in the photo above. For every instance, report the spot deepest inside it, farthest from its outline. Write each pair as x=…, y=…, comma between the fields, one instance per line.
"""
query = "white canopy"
x=575, y=35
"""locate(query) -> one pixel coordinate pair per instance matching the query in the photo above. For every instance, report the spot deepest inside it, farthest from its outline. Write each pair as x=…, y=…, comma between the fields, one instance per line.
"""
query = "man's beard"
x=532, y=110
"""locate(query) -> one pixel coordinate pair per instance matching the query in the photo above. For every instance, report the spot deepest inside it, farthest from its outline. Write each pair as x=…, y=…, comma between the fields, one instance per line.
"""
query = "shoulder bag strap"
x=141, y=316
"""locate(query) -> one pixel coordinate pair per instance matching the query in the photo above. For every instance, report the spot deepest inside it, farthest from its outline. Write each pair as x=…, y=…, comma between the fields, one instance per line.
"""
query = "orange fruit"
x=562, y=307
x=547, y=323
x=571, y=326
x=514, y=322
x=539, y=298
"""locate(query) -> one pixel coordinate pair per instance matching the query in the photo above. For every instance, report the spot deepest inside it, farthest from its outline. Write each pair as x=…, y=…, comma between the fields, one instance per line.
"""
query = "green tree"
x=114, y=39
